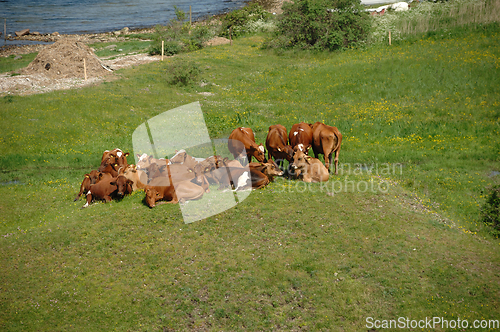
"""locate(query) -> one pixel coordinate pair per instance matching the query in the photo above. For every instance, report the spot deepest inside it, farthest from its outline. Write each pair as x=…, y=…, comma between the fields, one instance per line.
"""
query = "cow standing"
x=243, y=139
x=301, y=137
x=327, y=141
x=277, y=144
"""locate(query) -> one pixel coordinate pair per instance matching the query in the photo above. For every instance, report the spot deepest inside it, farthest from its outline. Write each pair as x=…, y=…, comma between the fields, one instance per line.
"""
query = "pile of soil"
x=65, y=59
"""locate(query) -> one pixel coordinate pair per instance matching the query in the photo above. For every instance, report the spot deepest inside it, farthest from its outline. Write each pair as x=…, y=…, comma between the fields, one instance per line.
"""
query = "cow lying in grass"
x=106, y=190
x=181, y=192
x=311, y=169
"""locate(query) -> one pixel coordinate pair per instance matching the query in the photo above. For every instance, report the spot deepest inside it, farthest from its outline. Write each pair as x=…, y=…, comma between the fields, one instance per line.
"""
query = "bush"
x=490, y=211
x=183, y=73
x=178, y=36
x=321, y=25
x=238, y=20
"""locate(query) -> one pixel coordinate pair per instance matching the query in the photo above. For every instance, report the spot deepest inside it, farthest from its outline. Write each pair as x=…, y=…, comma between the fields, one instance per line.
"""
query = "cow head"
x=300, y=160
x=287, y=151
x=271, y=168
x=93, y=176
x=123, y=185
x=154, y=170
x=179, y=157
x=259, y=153
x=152, y=196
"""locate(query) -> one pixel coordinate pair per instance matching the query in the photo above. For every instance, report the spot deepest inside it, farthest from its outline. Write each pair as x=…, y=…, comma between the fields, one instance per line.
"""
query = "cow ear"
x=261, y=148
x=87, y=175
x=308, y=159
x=113, y=183
x=279, y=149
x=126, y=154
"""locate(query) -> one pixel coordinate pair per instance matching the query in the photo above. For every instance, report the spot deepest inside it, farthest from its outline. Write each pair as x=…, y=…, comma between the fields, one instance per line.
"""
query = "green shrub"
x=239, y=19
x=183, y=73
x=178, y=36
x=321, y=25
x=491, y=209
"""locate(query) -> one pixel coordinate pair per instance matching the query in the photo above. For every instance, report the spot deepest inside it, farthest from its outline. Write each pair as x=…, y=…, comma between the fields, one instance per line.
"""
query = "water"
x=95, y=16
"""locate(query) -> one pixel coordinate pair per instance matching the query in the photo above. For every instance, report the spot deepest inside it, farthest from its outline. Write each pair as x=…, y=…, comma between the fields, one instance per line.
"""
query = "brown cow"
x=247, y=139
x=182, y=192
x=116, y=158
x=107, y=189
x=277, y=144
x=311, y=169
x=143, y=161
x=270, y=169
x=138, y=177
x=90, y=179
x=300, y=137
x=326, y=141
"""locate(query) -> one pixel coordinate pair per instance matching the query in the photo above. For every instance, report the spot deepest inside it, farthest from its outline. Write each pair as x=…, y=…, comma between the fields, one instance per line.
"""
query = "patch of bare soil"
x=217, y=41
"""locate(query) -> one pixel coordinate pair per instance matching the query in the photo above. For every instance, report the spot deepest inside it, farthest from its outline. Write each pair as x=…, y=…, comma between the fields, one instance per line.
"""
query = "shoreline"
x=102, y=37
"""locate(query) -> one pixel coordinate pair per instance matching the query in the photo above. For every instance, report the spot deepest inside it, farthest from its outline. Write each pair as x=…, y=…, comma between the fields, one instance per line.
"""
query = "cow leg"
x=328, y=144
x=336, y=161
x=89, y=200
x=85, y=186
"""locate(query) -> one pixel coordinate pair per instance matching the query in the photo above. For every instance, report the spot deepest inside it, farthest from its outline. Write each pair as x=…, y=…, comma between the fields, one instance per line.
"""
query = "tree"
x=321, y=25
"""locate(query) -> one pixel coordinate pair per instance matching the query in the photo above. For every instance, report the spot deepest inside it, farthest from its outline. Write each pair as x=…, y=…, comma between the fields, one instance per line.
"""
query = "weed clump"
x=249, y=19
x=183, y=73
x=490, y=211
x=179, y=36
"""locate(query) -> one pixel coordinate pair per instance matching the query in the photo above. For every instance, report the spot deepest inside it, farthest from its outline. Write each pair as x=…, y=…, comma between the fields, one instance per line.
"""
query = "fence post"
x=231, y=36
x=162, y=49
x=389, y=37
x=85, y=68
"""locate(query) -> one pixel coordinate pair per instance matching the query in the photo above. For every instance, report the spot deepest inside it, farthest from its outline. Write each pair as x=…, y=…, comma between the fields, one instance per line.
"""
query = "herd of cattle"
x=183, y=177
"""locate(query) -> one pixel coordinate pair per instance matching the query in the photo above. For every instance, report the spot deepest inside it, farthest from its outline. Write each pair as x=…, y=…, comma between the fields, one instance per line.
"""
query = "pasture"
x=394, y=234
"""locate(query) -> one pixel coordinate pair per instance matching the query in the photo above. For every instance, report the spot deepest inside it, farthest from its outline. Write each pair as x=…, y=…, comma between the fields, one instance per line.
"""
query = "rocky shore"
x=115, y=36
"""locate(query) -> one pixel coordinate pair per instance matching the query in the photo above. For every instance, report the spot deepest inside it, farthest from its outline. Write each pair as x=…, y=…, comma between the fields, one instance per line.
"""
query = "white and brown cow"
x=310, y=169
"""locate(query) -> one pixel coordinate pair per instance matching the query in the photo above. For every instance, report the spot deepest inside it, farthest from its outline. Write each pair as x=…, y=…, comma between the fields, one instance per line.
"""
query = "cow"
x=277, y=144
x=89, y=179
x=300, y=137
x=154, y=171
x=182, y=157
x=181, y=192
x=244, y=138
x=311, y=169
x=107, y=189
x=144, y=160
x=116, y=158
x=270, y=169
x=138, y=177
x=327, y=141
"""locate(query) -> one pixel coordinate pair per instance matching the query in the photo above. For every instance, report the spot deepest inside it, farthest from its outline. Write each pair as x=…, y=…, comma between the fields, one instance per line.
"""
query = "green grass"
x=422, y=115
x=118, y=48
x=10, y=63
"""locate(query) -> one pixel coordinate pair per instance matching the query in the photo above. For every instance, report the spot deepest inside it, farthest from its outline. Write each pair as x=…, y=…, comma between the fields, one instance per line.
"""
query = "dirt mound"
x=65, y=59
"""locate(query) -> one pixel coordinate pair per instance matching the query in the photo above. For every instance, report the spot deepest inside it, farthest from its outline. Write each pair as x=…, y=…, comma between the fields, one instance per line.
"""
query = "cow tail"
x=339, y=138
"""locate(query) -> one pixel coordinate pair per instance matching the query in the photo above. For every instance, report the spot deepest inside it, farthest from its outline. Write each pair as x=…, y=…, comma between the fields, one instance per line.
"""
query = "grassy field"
x=395, y=234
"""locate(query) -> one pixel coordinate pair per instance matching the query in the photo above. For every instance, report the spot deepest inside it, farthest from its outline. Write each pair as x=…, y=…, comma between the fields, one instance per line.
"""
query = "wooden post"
x=162, y=49
x=85, y=68
x=231, y=36
x=190, y=20
x=389, y=37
